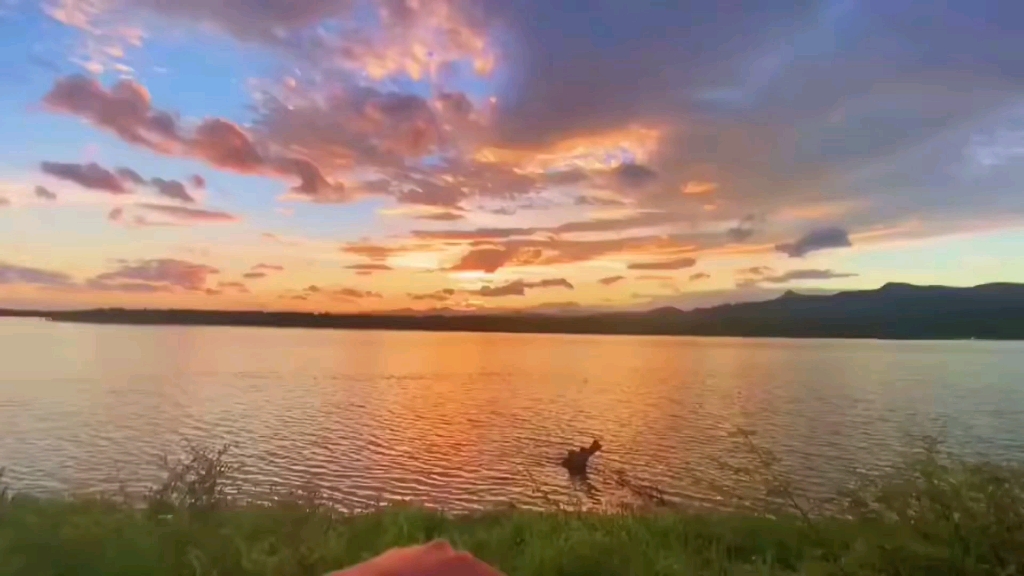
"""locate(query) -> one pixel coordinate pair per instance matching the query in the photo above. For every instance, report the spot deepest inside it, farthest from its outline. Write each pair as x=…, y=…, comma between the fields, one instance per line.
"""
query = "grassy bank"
x=934, y=516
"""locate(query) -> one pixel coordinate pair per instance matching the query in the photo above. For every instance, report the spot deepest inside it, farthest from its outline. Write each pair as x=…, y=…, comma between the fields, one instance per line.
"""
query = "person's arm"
x=434, y=559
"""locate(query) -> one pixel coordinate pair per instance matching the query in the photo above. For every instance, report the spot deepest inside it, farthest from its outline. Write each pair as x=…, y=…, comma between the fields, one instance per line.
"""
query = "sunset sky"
x=363, y=155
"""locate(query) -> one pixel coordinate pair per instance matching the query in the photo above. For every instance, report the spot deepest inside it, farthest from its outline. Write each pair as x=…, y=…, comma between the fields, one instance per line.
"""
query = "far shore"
x=892, y=312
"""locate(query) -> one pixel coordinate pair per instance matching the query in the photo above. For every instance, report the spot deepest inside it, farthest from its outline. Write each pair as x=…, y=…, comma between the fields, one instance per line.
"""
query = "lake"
x=470, y=420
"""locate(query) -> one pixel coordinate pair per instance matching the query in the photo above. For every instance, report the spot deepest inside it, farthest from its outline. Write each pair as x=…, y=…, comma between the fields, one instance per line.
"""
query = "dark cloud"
x=598, y=201
x=611, y=280
x=819, y=239
x=91, y=175
x=519, y=287
x=699, y=276
x=254, y=275
x=197, y=181
x=441, y=295
x=635, y=175
x=115, y=215
x=158, y=274
x=188, y=215
x=172, y=189
x=239, y=287
x=808, y=274
x=45, y=193
x=771, y=105
x=268, y=268
x=490, y=259
x=14, y=274
x=354, y=293
x=674, y=264
x=774, y=104
x=446, y=216
x=129, y=175
x=742, y=230
x=566, y=177
x=4, y=201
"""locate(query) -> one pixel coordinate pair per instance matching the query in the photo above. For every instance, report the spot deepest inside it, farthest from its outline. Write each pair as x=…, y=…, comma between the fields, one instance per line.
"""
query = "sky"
x=413, y=155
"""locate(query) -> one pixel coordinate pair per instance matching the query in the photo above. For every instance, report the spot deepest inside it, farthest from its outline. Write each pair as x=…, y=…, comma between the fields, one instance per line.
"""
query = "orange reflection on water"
x=465, y=420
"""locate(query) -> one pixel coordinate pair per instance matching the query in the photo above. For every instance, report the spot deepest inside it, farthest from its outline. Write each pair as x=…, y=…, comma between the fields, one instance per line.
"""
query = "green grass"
x=935, y=516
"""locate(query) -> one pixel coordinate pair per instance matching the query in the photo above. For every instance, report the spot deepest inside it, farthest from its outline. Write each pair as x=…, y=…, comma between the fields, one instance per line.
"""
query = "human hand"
x=434, y=559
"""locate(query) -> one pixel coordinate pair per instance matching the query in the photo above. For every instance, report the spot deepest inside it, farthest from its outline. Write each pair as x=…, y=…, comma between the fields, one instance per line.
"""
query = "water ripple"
x=467, y=421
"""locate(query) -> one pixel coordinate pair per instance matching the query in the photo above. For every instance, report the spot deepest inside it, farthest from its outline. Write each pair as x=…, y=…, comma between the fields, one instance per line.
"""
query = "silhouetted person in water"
x=575, y=461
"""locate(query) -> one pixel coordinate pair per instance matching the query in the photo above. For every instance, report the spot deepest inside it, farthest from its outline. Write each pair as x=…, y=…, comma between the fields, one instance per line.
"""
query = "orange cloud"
x=698, y=187
x=162, y=274
x=599, y=151
x=675, y=264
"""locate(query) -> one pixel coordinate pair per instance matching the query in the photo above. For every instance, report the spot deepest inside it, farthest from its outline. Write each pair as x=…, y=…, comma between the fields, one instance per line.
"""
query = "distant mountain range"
x=894, y=311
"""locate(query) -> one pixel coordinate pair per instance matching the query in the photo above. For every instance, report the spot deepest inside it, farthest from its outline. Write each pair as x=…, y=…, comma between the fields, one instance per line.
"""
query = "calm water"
x=467, y=420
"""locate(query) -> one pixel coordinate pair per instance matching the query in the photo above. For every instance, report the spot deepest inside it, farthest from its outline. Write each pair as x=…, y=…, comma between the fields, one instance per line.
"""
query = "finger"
x=465, y=564
x=405, y=561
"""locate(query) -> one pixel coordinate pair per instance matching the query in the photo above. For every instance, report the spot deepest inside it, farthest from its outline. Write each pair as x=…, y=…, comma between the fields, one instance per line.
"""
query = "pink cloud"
x=159, y=274
x=184, y=214
x=14, y=274
x=126, y=110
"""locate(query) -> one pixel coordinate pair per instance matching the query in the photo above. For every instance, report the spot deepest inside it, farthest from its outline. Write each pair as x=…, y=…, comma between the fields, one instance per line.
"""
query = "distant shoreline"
x=892, y=312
